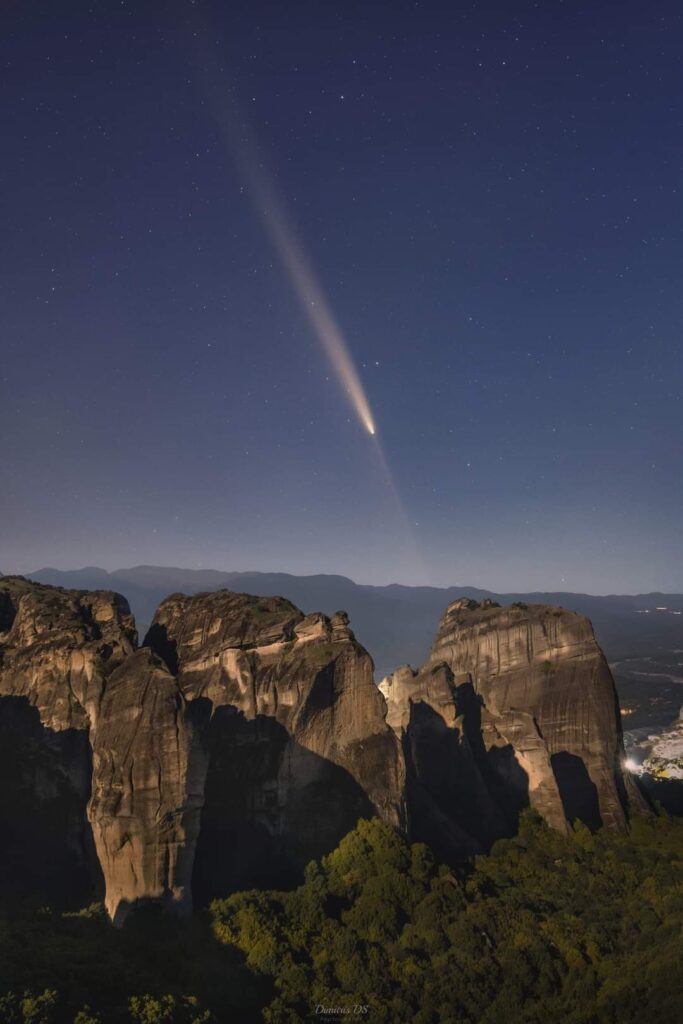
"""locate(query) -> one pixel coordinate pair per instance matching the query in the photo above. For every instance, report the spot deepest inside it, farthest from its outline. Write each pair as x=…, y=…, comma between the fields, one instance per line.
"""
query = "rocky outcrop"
x=57, y=648
x=448, y=794
x=246, y=738
x=534, y=698
x=293, y=729
x=243, y=740
x=148, y=778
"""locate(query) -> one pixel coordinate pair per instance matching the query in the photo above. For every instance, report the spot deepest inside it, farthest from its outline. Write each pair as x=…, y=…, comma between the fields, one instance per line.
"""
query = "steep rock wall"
x=246, y=738
x=57, y=648
x=149, y=768
x=449, y=797
x=548, y=692
x=294, y=731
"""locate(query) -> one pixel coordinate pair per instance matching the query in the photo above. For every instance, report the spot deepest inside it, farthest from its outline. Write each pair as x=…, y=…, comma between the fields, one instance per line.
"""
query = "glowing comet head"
x=300, y=272
x=313, y=301
x=294, y=259
x=295, y=262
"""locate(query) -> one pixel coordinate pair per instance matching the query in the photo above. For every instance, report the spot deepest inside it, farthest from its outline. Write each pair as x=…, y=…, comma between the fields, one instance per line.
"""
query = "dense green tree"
x=583, y=929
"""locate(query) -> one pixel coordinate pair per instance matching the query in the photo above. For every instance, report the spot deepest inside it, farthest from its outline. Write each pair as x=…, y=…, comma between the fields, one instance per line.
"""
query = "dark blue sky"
x=490, y=195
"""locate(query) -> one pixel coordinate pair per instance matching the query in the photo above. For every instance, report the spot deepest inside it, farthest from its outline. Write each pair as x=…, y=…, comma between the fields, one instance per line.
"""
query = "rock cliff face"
x=288, y=744
x=242, y=740
x=245, y=738
x=534, y=699
x=449, y=796
x=57, y=648
x=147, y=787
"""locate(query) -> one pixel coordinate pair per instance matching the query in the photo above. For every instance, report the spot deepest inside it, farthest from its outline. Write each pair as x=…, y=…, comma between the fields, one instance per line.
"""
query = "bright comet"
x=297, y=266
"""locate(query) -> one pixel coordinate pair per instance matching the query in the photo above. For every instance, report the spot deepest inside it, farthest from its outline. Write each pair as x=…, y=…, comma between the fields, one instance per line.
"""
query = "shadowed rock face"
x=448, y=788
x=46, y=852
x=537, y=704
x=147, y=787
x=246, y=738
x=293, y=729
x=57, y=648
x=245, y=735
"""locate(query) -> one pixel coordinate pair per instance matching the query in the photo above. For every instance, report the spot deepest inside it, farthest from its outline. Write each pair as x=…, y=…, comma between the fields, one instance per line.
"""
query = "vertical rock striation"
x=242, y=741
x=147, y=788
x=536, y=701
x=293, y=727
x=57, y=648
x=448, y=793
x=246, y=738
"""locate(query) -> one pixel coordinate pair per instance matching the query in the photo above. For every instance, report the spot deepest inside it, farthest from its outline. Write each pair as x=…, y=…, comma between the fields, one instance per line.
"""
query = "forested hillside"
x=582, y=929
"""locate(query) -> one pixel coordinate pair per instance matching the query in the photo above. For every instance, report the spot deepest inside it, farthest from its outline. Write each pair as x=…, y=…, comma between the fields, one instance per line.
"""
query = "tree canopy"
x=583, y=929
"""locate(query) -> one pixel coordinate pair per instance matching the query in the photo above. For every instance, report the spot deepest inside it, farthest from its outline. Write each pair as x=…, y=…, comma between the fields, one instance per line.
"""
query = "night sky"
x=489, y=199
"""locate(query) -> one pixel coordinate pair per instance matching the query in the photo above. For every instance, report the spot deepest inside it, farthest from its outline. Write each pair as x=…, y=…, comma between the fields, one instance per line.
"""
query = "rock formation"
x=272, y=743
x=57, y=648
x=147, y=787
x=245, y=738
x=449, y=797
x=534, y=706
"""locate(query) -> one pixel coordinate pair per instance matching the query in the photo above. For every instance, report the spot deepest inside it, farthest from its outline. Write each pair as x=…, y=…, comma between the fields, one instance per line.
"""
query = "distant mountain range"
x=395, y=623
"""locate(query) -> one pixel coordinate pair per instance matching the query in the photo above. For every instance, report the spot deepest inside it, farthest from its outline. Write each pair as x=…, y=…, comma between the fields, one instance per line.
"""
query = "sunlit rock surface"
x=293, y=728
x=57, y=649
x=246, y=738
x=148, y=777
x=541, y=714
